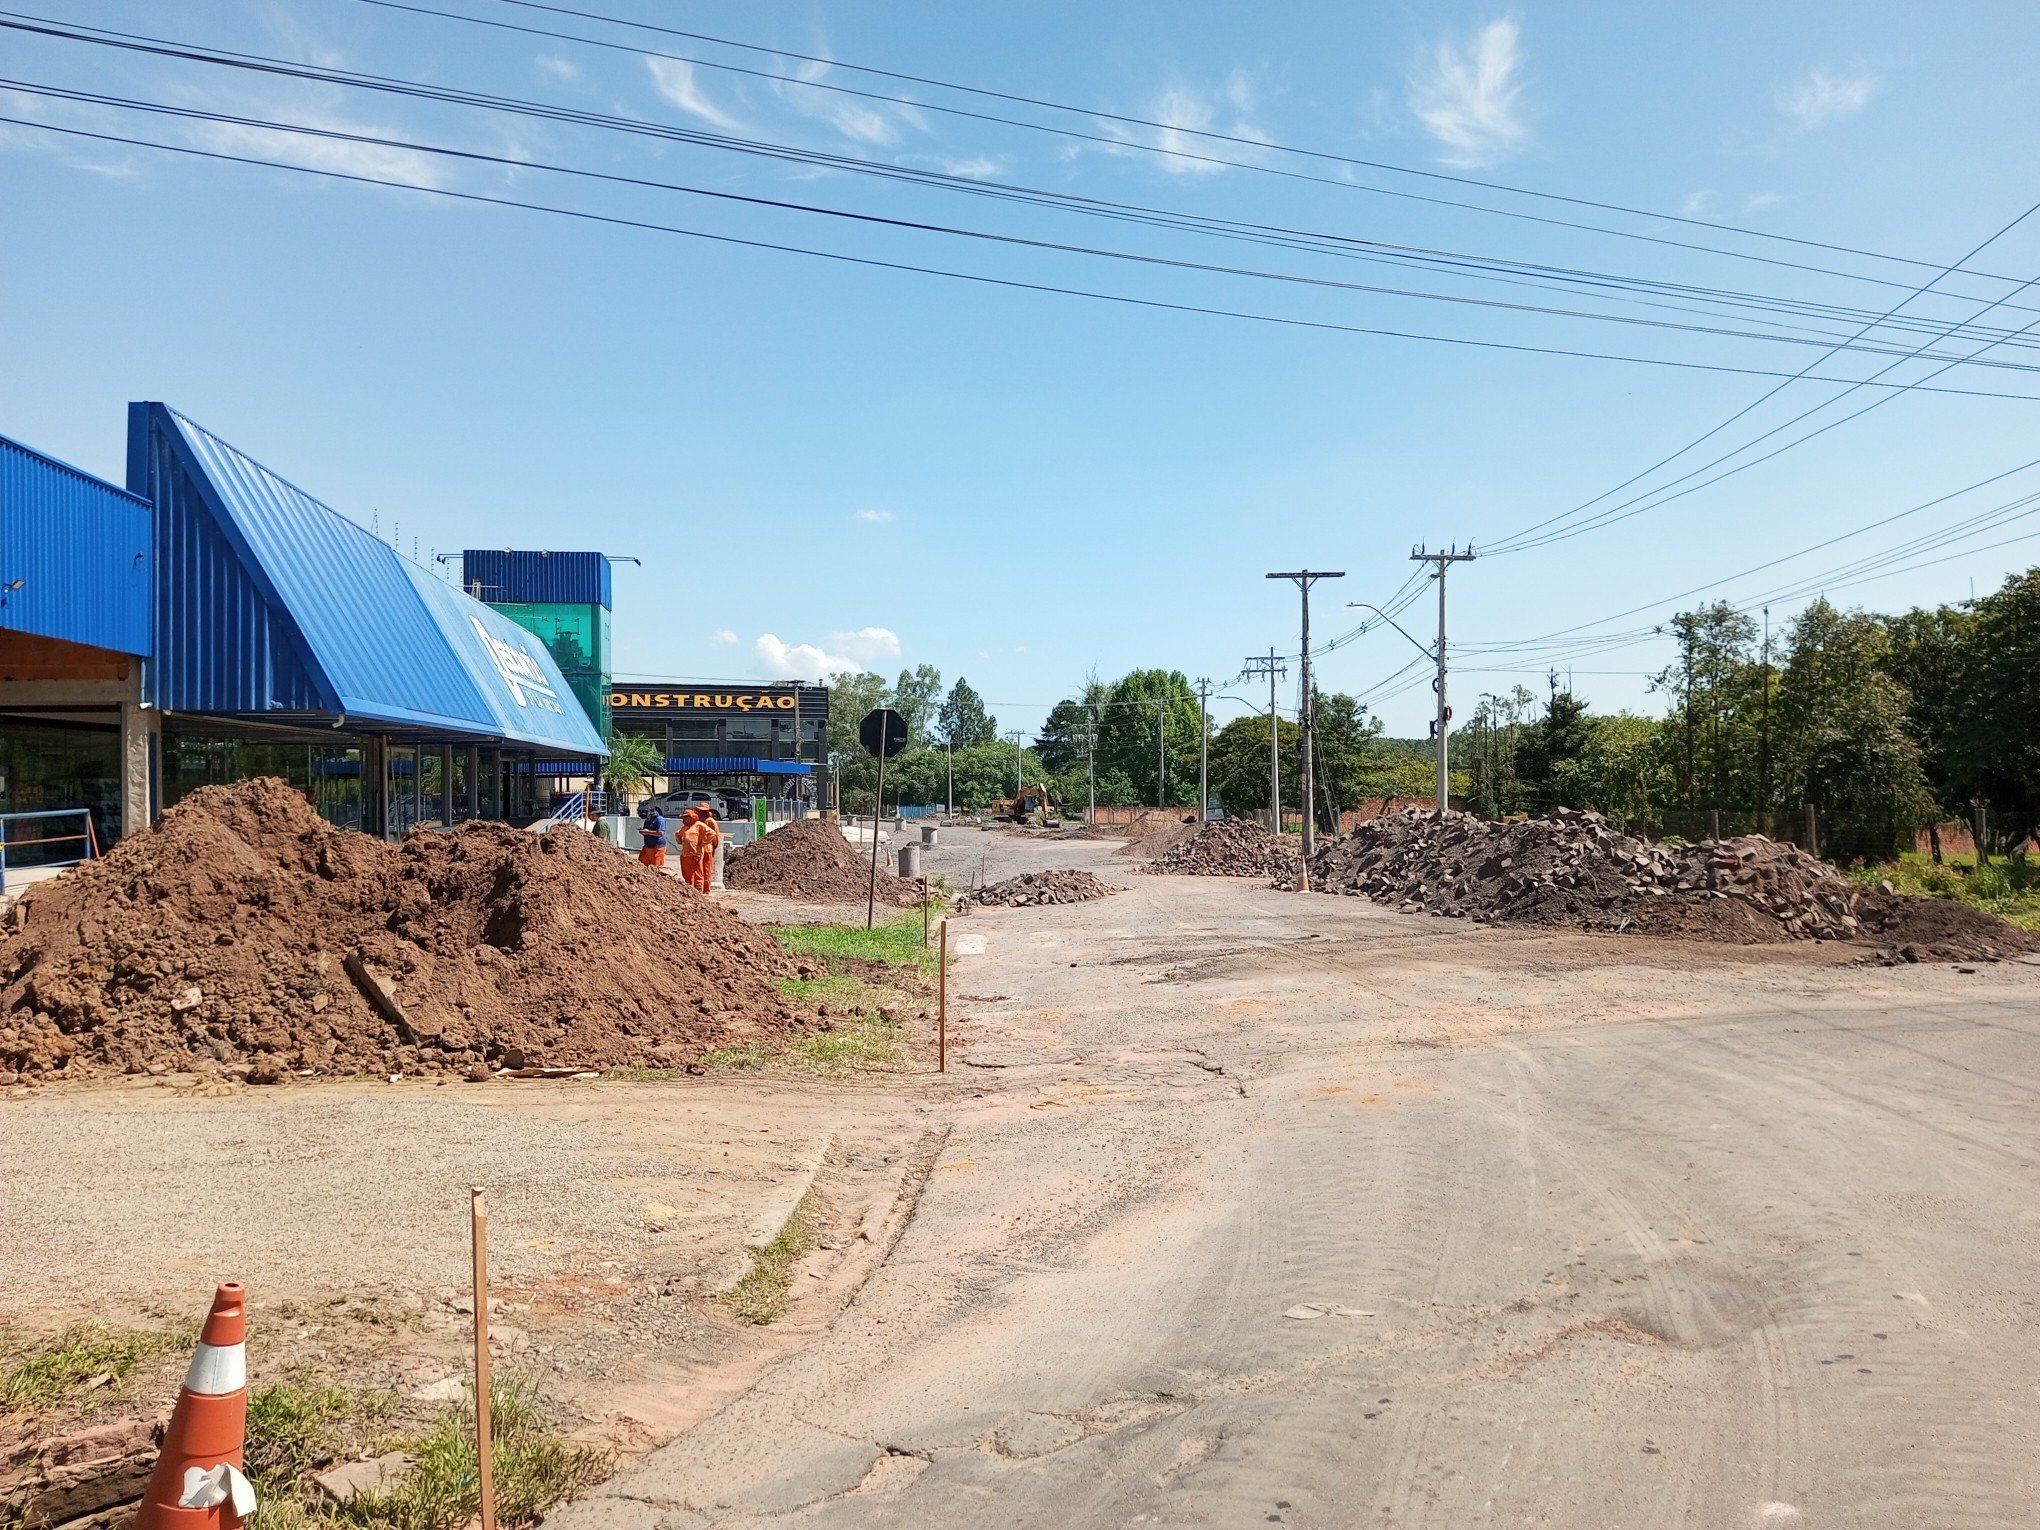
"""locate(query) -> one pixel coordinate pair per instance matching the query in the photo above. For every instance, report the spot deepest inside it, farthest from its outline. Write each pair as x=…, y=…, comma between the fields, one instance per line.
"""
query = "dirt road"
x=1267, y=1208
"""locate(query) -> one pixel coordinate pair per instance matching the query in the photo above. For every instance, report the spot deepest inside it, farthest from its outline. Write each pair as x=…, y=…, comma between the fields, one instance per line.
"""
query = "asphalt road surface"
x=1267, y=1208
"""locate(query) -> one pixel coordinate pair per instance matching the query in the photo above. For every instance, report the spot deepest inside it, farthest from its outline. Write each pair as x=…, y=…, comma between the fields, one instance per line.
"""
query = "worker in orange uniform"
x=714, y=837
x=694, y=845
x=652, y=834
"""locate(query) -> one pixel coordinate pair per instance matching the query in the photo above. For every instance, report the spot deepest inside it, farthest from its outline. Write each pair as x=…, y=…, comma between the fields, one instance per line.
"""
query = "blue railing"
x=88, y=842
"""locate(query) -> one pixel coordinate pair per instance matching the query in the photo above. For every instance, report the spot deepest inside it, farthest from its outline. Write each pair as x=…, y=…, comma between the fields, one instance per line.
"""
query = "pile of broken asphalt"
x=1035, y=888
x=1228, y=847
x=1572, y=869
x=245, y=935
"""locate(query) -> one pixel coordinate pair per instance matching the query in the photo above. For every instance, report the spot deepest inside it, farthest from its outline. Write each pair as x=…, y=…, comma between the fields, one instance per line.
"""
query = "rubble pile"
x=812, y=861
x=1228, y=847
x=1036, y=888
x=1572, y=868
x=244, y=935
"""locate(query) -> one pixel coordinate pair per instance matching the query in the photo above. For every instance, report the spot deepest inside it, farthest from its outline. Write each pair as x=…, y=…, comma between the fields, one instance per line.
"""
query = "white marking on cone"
x=217, y=1369
x=208, y=1489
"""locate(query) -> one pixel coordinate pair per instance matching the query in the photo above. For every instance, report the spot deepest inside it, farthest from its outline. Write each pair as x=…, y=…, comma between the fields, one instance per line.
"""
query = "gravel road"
x=1267, y=1208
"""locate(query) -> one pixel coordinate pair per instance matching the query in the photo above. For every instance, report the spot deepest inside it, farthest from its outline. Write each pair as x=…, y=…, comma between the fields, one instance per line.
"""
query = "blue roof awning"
x=271, y=603
x=733, y=764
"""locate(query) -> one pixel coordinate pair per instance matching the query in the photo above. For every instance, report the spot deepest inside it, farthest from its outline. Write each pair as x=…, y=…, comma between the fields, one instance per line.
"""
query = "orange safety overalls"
x=694, y=841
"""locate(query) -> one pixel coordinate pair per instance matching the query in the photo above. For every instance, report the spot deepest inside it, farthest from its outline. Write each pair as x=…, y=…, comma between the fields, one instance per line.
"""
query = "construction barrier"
x=197, y=1483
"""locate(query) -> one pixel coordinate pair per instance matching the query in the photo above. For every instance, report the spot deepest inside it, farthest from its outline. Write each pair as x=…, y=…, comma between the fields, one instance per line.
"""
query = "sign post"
x=883, y=732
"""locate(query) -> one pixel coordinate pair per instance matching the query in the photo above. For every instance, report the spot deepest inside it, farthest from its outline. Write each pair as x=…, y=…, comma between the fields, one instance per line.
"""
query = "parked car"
x=673, y=804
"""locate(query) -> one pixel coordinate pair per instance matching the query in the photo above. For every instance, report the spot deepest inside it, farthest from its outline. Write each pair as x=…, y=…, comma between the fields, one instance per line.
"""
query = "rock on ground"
x=1228, y=847
x=1035, y=888
x=1572, y=868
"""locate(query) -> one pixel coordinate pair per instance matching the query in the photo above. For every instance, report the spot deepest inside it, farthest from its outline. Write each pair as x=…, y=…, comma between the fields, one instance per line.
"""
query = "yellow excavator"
x=1034, y=805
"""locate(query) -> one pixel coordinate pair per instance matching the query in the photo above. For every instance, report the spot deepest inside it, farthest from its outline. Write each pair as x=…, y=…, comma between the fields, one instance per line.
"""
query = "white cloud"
x=1757, y=201
x=980, y=167
x=875, y=517
x=1468, y=97
x=675, y=80
x=724, y=638
x=1697, y=204
x=777, y=659
x=1822, y=98
x=867, y=643
x=1184, y=114
x=872, y=122
x=559, y=68
x=374, y=161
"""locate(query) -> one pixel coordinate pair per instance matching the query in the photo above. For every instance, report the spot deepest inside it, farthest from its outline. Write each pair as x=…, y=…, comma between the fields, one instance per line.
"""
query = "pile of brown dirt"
x=1035, y=888
x=1228, y=847
x=1572, y=869
x=812, y=861
x=1152, y=833
x=245, y=933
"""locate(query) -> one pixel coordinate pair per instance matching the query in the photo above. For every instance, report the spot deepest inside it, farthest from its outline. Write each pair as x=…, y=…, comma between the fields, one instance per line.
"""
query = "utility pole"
x=1444, y=560
x=1307, y=711
x=1203, y=749
x=1091, y=769
x=1273, y=667
x=949, y=800
x=1162, y=754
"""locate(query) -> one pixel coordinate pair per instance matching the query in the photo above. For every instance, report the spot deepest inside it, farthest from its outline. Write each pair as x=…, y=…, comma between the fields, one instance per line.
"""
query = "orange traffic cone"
x=197, y=1483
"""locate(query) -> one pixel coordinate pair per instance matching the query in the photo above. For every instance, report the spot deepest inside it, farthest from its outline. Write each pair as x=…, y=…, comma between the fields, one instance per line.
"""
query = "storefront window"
x=46, y=765
x=329, y=775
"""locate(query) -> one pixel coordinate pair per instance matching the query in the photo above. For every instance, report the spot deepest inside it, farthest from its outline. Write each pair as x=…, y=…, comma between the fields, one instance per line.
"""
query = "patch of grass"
x=642, y=1075
x=869, y=1044
x=298, y=1425
x=896, y=943
x=762, y=1294
x=833, y=988
x=63, y=1369
x=2008, y=888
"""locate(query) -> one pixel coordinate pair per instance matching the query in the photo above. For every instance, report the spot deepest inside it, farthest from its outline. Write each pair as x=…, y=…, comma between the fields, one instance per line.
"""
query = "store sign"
x=724, y=698
x=521, y=671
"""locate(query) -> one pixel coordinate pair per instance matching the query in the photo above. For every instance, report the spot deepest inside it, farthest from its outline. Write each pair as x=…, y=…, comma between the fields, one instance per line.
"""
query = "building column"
x=375, y=780
x=141, y=732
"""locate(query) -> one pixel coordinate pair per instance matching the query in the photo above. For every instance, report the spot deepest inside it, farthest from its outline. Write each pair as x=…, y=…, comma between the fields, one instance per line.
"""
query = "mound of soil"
x=812, y=861
x=1571, y=869
x=244, y=932
x=1227, y=847
x=1033, y=888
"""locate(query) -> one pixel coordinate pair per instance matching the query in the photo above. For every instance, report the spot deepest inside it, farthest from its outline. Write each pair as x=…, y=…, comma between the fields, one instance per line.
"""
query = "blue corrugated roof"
x=277, y=603
x=733, y=764
x=79, y=547
x=507, y=576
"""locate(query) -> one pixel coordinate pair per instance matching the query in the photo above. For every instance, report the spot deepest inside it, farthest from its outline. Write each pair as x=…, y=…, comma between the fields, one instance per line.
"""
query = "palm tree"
x=634, y=758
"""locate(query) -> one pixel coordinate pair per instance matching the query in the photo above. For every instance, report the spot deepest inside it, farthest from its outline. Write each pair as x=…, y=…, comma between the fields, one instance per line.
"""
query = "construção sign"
x=635, y=704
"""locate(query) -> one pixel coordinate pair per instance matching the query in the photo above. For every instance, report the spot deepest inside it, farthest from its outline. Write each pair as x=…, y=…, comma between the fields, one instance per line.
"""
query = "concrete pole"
x=1444, y=560
x=1091, y=771
x=1307, y=711
x=1203, y=750
x=1161, y=755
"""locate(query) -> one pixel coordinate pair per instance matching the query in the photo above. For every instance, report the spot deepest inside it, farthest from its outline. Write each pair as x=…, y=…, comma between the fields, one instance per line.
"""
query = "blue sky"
x=825, y=464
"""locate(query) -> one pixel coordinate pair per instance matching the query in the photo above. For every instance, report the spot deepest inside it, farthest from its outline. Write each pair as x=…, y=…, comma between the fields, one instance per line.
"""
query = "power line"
x=978, y=278
x=1521, y=541
x=1607, y=287
x=1258, y=145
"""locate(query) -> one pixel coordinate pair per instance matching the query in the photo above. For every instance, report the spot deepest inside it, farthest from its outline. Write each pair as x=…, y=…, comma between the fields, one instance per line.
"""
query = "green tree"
x=1239, y=764
x=1143, y=716
x=913, y=696
x=1997, y=755
x=1717, y=690
x=1844, y=741
x=964, y=723
x=1552, y=756
x=634, y=758
x=1487, y=745
x=1348, y=759
x=1064, y=741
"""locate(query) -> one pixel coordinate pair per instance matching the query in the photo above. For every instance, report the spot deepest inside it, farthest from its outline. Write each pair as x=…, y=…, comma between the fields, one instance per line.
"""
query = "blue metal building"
x=290, y=641
x=76, y=586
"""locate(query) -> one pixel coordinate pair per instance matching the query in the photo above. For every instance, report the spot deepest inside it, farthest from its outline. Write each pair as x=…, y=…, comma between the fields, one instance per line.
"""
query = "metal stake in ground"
x=1307, y=708
x=924, y=913
x=485, y=1465
x=942, y=1004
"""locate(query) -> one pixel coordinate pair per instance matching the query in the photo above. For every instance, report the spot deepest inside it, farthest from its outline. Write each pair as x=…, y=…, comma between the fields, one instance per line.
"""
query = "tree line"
x=1884, y=724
